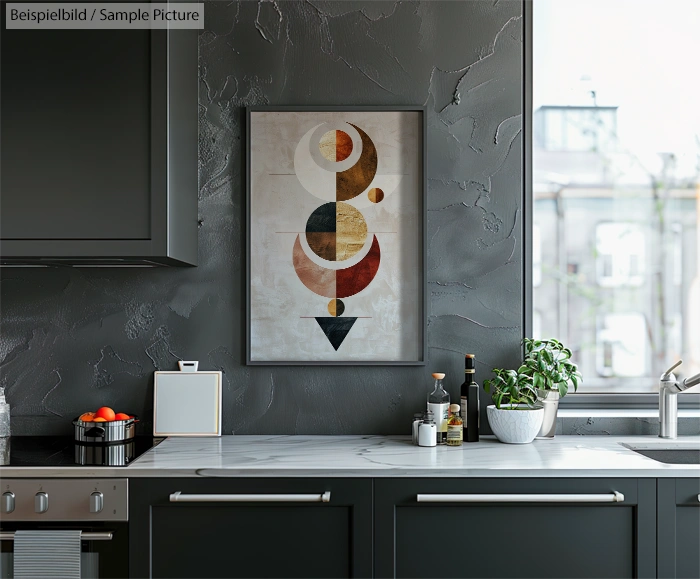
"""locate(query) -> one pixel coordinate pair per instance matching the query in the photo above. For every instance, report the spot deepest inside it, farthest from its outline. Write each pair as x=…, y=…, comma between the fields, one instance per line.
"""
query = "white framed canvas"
x=336, y=235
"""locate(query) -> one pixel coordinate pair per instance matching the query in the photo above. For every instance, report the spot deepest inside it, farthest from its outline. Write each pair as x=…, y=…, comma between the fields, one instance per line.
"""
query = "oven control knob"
x=41, y=503
x=97, y=502
x=8, y=502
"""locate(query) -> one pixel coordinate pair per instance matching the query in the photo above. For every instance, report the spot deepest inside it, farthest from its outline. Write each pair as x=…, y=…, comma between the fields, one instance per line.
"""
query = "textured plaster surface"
x=75, y=339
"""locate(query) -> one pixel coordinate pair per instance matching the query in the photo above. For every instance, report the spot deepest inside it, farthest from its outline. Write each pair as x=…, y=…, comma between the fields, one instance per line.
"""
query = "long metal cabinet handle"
x=89, y=536
x=178, y=497
x=613, y=497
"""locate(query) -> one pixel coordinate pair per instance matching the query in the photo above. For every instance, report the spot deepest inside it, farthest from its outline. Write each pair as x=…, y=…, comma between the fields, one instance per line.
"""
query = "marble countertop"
x=387, y=456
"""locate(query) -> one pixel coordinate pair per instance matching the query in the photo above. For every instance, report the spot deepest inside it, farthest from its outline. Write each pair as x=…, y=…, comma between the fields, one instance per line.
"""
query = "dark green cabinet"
x=215, y=528
x=679, y=528
x=545, y=528
x=414, y=527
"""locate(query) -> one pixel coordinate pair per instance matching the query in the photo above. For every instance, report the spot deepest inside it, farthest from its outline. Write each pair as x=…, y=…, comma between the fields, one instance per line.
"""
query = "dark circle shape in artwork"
x=336, y=307
x=336, y=231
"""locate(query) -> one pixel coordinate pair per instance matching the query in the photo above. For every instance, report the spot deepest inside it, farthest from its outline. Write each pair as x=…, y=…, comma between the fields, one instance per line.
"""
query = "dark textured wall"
x=76, y=339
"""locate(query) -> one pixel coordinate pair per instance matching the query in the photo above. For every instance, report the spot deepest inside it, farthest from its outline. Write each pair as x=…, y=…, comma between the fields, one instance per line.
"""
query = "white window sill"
x=622, y=413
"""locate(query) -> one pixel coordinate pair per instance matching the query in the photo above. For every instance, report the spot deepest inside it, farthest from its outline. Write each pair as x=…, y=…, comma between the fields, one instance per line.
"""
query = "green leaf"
x=538, y=381
x=563, y=389
x=547, y=355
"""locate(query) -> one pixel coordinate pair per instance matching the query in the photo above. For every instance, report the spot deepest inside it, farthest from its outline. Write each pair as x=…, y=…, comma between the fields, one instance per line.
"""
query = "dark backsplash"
x=75, y=339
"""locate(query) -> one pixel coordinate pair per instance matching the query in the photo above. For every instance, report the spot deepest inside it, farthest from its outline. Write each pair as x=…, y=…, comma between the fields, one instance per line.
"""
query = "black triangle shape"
x=336, y=329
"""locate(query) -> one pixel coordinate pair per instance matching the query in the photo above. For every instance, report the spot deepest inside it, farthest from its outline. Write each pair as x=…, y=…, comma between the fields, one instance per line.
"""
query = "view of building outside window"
x=616, y=149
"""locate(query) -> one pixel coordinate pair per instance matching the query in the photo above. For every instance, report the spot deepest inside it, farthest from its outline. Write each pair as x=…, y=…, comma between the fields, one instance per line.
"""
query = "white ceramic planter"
x=550, y=401
x=515, y=426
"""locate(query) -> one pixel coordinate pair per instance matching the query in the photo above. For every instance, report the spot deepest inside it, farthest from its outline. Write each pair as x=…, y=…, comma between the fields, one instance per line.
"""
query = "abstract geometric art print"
x=335, y=236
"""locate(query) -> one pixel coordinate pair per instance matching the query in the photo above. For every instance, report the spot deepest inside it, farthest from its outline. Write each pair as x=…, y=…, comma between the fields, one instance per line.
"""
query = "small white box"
x=187, y=403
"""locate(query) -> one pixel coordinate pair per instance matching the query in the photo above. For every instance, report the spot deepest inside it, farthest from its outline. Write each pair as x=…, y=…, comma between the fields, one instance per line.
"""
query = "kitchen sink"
x=668, y=453
x=672, y=456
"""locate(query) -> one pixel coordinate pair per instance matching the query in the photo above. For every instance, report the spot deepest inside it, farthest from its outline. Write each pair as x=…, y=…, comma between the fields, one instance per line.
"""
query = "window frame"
x=579, y=400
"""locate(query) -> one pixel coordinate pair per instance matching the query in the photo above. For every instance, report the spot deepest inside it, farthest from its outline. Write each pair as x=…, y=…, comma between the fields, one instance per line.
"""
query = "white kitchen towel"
x=47, y=554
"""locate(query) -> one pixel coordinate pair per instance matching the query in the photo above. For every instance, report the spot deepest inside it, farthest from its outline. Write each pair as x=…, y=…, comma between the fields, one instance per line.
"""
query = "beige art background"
x=282, y=309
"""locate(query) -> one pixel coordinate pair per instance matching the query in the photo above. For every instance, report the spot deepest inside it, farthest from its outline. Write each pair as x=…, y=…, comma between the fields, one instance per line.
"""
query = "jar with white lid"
x=427, y=431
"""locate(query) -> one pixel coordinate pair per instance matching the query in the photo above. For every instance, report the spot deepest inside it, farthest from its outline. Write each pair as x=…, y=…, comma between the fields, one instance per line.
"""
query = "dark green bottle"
x=469, y=400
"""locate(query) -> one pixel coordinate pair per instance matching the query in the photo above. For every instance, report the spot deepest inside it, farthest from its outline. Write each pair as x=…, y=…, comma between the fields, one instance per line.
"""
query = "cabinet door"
x=76, y=114
x=214, y=528
x=679, y=528
x=99, y=155
x=540, y=528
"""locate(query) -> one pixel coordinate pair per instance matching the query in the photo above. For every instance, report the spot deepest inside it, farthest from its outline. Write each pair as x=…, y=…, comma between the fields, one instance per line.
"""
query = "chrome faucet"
x=669, y=387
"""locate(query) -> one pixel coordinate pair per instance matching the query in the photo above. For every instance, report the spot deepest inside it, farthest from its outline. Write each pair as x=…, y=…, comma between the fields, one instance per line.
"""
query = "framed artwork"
x=336, y=235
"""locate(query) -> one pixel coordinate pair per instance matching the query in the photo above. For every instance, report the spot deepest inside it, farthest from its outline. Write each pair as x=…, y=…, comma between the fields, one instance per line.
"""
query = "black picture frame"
x=423, y=301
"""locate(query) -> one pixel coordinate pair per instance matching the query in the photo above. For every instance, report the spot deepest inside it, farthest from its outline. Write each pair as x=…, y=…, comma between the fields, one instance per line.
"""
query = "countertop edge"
x=373, y=456
x=79, y=472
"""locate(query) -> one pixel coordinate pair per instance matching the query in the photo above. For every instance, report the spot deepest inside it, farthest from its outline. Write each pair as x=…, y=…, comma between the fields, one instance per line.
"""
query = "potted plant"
x=516, y=415
x=548, y=363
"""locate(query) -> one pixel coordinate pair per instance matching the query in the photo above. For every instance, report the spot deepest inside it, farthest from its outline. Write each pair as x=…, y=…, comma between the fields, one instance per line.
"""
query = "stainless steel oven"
x=97, y=507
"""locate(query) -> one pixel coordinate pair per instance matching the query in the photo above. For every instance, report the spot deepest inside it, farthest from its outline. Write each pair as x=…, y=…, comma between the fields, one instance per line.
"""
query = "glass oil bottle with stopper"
x=439, y=405
x=454, y=427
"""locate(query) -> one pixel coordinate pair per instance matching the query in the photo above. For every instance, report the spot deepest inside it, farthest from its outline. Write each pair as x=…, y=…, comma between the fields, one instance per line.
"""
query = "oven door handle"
x=84, y=536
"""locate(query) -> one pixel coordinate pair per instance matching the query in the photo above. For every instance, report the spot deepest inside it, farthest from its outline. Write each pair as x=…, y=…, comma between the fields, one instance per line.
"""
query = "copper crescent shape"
x=336, y=283
x=353, y=181
x=318, y=279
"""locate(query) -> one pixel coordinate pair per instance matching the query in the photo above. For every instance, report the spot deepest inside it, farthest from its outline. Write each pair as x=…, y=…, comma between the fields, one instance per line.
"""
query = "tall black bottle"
x=469, y=399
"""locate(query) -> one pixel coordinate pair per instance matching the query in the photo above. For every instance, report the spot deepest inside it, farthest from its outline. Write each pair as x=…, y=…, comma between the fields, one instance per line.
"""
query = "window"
x=620, y=254
x=616, y=187
x=621, y=347
x=572, y=128
x=536, y=256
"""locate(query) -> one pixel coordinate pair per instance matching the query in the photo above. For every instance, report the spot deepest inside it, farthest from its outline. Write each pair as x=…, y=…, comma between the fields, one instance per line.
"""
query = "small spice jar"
x=427, y=432
x=455, y=430
x=417, y=419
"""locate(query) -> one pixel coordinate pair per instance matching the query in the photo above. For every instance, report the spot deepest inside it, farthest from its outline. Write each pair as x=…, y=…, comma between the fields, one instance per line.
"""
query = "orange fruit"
x=86, y=417
x=105, y=412
x=99, y=419
x=121, y=416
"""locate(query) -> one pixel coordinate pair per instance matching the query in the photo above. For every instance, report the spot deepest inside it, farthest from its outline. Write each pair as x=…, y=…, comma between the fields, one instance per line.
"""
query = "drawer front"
x=514, y=528
x=679, y=528
x=252, y=528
